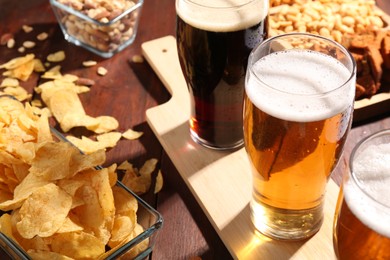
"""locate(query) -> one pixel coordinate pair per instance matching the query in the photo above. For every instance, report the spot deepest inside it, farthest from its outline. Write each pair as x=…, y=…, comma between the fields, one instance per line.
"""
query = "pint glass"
x=298, y=105
x=362, y=219
x=214, y=39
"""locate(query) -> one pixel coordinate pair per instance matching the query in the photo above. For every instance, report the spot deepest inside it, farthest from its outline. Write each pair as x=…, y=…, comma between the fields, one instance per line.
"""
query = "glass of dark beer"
x=214, y=39
x=298, y=105
x=362, y=219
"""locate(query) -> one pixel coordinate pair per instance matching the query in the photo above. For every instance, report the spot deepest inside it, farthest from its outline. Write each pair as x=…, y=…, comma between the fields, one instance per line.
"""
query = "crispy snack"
x=56, y=56
x=140, y=180
x=21, y=67
x=60, y=205
x=61, y=96
x=130, y=134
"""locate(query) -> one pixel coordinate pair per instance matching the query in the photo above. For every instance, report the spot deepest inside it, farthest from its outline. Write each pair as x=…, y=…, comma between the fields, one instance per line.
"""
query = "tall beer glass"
x=298, y=105
x=214, y=39
x=362, y=219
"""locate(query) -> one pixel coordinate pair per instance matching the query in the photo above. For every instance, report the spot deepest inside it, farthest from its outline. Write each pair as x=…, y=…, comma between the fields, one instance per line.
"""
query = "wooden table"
x=126, y=92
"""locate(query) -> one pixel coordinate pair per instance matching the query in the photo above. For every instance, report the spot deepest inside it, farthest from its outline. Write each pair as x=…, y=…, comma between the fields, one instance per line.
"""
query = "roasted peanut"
x=324, y=17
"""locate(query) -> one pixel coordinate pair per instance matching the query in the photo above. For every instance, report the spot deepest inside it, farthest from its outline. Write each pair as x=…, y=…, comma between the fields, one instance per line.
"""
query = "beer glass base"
x=284, y=224
x=207, y=144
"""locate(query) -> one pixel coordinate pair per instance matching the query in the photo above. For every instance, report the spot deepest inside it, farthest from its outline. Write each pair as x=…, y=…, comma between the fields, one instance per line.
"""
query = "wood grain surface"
x=126, y=92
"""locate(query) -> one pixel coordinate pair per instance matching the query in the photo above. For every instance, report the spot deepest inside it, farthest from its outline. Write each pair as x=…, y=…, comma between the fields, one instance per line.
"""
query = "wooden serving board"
x=221, y=181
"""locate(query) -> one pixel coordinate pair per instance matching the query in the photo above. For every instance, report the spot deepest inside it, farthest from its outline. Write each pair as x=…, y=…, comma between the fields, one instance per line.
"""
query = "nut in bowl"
x=102, y=27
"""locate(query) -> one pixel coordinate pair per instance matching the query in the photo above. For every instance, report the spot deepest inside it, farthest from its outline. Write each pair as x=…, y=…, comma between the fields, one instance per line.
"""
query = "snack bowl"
x=150, y=219
x=138, y=246
x=102, y=27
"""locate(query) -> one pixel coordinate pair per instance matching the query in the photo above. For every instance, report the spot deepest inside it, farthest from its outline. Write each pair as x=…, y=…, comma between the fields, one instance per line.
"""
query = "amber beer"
x=214, y=39
x=297, y=114
x=362, y=220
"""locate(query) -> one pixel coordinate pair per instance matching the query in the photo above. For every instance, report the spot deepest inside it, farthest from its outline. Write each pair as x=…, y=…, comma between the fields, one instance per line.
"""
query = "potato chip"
x=29, y=184
x=91, y=214
x=36, y=243
x=125, y=205
x=125, y=165
x=53, y=73
x=22, y=72
x=69, y=225
x=70, y=121
x=81, y=89
x=38, y=66
x=5, y=225
x=109, y=139
x=58, y=166
x=65, y=161
x=140, y=182
x=9, y=82
x=148, y=167
x=99, y=209
x=16, y=62
x=122, y=230
x=56, y=56
x=64, y=101
x=106, y=124
x=78, y=245
x=62, y=207
x=113, y=177
x=85, y=144
x=47, y=255
x=44, y=212
x=159, y=183
x=18, y=92
x=36, y=103
x=142, y=246
x=131, y=134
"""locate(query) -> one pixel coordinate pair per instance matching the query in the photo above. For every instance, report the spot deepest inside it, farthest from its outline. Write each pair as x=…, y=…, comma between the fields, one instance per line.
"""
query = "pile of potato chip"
x=60, y=94
x=58, y=204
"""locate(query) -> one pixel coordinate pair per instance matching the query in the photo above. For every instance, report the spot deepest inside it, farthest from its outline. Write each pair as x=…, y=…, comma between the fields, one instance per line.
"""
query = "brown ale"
x=213, y=44
x=362, y=219
x=296, y=120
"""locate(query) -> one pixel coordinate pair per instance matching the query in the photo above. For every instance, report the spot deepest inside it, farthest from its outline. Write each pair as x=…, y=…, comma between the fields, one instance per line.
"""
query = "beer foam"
x=372, y=171
x=220, y=17
x=288, y=83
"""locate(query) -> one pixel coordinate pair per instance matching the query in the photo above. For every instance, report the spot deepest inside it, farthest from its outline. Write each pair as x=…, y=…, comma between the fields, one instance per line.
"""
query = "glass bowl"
x=103, y=30
x=149, y=218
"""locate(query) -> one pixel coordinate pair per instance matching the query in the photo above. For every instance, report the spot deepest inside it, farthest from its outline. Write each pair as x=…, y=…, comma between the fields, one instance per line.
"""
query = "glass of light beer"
x=214, y=39
x=362, y=219
x=298, y=105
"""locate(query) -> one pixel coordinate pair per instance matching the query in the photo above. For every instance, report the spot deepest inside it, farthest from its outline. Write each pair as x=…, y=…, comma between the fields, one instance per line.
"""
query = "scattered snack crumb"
x=9, y=82
x=130, y=134
x=89, y=63
x=102, y=71
x=28, y=44
x=137, y=59
x=42, y=36
x=139, y=181
x=10, y=43
x=27, y=28
x=56, y=57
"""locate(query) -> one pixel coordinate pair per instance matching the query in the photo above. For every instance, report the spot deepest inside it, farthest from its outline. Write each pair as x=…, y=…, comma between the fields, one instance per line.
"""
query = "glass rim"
x=313, y=36
x=352, y=157
x=228, y=7
x=85, y=17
